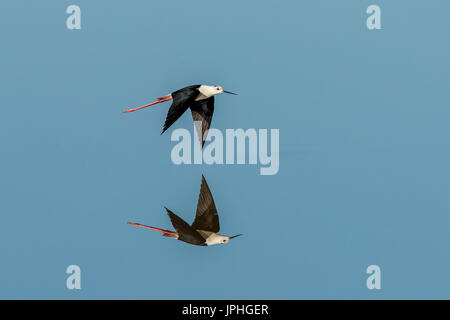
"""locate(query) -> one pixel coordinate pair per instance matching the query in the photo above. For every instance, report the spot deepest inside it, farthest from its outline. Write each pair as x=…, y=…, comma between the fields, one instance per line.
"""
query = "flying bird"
x=204, y=230
x=199, y=98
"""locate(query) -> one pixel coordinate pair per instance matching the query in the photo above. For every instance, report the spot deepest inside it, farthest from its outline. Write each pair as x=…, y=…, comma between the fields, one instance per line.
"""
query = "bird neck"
x=213, y=239
x=205, y=92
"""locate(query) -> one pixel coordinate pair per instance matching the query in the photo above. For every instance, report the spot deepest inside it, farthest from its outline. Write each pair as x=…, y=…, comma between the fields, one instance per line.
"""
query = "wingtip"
x=203, y=181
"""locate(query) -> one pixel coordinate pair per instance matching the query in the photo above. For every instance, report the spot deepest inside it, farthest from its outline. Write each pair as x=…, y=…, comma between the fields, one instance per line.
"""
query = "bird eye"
x=218, y=88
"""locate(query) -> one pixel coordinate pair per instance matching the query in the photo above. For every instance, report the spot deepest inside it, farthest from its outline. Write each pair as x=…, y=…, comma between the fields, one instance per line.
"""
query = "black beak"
x=229, y=92
x=235, y=236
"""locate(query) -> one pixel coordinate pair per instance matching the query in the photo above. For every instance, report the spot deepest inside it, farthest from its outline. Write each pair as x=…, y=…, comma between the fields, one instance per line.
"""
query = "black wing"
x=206, y=217
x=202, y=112
x=181, y=100
x=185, y=232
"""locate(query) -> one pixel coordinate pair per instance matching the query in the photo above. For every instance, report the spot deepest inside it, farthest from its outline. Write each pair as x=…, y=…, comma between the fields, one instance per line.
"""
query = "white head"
x=224, y=239
x=219, y=239
x=209, y=91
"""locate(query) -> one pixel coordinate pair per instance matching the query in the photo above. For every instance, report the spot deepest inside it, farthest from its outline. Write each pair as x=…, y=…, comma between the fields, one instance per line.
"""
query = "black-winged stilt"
x=199, y=98
x=203, y=231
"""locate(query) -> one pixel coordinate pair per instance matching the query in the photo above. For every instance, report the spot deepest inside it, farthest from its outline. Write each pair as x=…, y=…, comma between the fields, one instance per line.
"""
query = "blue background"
x=364, y=159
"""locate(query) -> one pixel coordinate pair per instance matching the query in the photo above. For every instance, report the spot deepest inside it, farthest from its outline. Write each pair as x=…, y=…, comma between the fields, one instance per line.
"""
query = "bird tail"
x=168, y=97
x=166, y=233
x=160, y=99
x=170, y=235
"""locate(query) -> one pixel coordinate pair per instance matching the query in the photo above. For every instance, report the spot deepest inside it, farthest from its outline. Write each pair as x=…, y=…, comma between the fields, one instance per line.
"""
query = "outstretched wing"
x=202, y=112
x=206, y=217
x=185, y=232
x=181, y=100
